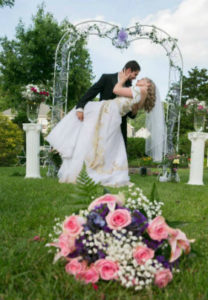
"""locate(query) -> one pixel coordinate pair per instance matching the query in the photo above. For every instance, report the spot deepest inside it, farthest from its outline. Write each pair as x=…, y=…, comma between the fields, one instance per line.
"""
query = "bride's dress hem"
x=116, y=185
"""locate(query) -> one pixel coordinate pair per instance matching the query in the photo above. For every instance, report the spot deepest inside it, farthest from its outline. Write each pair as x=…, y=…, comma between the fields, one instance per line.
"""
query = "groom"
x=104, y=86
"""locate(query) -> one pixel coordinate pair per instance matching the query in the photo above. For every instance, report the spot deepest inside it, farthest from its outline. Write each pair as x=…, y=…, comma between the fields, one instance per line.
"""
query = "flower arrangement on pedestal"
x=172, y=162
x=199, y=110
x=128, y=242
x=34, y=95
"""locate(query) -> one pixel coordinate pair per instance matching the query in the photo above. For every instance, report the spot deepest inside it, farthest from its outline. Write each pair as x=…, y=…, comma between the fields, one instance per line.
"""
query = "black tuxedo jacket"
x=104, y=86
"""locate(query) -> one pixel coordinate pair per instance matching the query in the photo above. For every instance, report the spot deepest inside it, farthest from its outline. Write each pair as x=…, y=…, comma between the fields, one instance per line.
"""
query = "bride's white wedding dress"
x=97, y=141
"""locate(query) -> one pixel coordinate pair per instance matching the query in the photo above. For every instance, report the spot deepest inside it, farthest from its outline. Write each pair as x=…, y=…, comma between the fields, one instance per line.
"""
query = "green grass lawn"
x=28, y=208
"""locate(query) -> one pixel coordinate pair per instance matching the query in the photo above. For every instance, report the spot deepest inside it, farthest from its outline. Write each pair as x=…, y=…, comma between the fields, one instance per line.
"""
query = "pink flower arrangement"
x=194, y=105
x=131, y=245
x=35, y=94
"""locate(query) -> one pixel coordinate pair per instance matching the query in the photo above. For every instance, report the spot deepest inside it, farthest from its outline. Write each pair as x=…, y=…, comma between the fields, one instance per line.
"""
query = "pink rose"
x=158, y=229
x=163, y=277
x=66, y=244
x=73, y=225
x=142, y=254
x=200, y=107
x=107, y=269
x=118, y=219
x=106, y=199
x=179, y=243
x=90, y=275
x=75, y=267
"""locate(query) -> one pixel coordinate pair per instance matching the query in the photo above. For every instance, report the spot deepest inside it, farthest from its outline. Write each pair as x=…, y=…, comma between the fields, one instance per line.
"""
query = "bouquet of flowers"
x=35, y=94
x=128, y=242
x=194, y=105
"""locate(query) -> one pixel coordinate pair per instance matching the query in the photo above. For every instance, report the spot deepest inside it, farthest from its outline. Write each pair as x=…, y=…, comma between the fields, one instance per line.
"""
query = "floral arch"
x=121, y=38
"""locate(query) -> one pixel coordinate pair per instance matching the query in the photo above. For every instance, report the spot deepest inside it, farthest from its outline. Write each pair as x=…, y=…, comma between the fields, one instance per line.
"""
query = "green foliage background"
x=30, y=57
x=6, y=3
x=11, y=141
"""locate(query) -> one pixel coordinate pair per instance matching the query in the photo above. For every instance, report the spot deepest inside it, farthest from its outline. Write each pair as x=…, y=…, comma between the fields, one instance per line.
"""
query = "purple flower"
x=75, y=253
x=166, y=264
x=106, y=229
x=101, y=254
x=96, y=219
x=138, y=223
x=153, y=244
x=140, y=217
x=122, y=36
x=161, y=259
x=102, y=210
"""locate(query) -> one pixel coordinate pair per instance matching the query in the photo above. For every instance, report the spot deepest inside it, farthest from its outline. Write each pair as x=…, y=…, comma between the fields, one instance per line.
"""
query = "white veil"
x=155, y=122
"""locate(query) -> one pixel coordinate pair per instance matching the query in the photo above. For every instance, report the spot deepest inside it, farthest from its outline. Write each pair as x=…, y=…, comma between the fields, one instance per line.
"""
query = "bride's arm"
x=122, y=91
x=127, y=92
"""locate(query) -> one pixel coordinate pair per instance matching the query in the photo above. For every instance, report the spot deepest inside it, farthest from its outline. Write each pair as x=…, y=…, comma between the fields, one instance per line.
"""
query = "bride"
x=98, y=142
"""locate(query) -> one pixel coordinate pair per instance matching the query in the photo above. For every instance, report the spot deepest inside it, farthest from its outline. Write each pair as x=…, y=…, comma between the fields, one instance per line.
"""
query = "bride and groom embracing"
x=95, y=132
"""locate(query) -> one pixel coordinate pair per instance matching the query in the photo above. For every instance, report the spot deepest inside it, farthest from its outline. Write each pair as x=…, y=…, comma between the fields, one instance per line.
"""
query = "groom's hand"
x=80, y=115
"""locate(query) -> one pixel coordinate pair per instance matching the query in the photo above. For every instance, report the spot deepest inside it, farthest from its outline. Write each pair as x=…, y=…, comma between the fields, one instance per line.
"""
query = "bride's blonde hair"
x=149, y=102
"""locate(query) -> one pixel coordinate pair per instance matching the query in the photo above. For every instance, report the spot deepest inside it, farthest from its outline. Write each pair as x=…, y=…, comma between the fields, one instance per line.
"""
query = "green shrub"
x=184, y=145
x=11, y=141
x=184, y=161
x=135, y=148
x=20, y=118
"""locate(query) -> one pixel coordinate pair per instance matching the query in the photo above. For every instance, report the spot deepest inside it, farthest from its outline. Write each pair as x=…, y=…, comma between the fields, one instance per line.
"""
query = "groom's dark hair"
x=133, y=65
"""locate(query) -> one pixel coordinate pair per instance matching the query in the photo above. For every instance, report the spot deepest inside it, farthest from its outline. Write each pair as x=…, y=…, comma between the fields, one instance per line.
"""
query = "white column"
x=197, y=157
x=32, y=149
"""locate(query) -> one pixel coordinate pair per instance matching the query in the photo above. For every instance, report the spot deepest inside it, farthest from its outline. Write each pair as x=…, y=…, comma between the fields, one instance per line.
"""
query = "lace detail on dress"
x=125, y=104
x=136, y=94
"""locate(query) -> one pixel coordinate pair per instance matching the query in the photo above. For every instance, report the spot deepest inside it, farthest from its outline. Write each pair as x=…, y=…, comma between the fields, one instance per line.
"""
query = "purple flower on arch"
x=122, y=36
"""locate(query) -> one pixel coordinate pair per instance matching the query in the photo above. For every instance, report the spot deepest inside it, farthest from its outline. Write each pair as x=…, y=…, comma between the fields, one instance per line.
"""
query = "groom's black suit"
x=104, y=86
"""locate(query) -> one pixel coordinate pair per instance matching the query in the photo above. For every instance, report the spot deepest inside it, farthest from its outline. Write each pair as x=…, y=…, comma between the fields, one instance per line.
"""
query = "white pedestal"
x=197, y=157
x=32, y=150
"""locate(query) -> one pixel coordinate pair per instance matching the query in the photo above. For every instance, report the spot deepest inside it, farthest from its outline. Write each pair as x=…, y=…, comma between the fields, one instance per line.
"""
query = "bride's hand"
x=124, y=76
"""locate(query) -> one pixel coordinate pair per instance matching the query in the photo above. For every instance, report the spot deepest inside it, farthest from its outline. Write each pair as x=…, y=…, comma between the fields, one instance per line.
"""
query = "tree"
x=80, y=74
x=30, y=59
x=195, y=85
x=6, y=3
